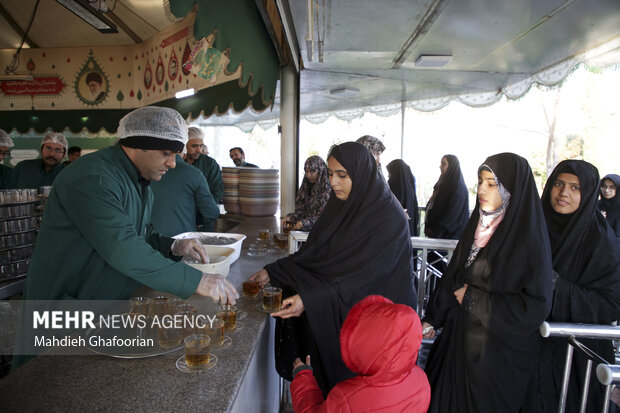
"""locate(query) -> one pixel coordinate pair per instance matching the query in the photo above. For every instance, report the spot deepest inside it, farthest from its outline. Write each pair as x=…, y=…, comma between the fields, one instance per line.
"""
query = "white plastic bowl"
x=219, y=260
x=236, y=245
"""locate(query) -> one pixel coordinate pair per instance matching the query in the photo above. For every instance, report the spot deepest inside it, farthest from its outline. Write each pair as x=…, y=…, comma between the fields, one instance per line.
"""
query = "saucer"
x=256, y=254
x=238, y=327
x=182, y=365
x=227, y=343
x=259, y=306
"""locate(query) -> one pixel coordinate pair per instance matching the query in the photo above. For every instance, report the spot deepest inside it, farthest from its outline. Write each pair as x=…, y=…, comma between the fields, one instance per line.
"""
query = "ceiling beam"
x=429, y=18
x=120, y=23
x=16, y=27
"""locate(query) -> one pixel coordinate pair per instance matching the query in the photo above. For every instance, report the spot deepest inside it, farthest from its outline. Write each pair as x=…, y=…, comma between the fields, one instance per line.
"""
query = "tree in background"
x=551, y=118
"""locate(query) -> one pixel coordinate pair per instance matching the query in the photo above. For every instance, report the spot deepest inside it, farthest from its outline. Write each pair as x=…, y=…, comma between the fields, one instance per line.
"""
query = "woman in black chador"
x=609, y=203
x=447, y=211
x=402, y=184
x=493, y=296
x=359, y=246
x=586, y=266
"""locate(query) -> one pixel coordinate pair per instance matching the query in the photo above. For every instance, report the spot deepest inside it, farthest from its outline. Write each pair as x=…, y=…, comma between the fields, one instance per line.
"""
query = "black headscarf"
x=508, y=296
x=587, y=260
x=447, y=214
x=357, y=247
x=402, y=184
x=612, y=206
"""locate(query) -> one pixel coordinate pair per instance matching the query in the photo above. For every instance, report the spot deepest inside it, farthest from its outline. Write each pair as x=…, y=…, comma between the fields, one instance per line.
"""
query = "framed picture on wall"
x=92, y=87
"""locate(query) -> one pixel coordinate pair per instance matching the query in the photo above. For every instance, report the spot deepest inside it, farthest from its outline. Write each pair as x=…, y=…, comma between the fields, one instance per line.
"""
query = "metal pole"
x=289, y=122
x=608, y=389
x=566, y=378
x=402, y=129
x=422, y=284
x=586, y=386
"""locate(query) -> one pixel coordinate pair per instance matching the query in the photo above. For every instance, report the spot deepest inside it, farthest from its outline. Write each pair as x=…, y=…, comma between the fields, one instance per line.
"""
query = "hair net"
x=55, y=137
x=195, y=133
x=153, y=121
x=5, y=139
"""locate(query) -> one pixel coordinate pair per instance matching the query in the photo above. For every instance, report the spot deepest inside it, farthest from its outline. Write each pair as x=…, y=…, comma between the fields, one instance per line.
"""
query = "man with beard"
x=238, y=157
x=33, y=173
x=207, y=165
x=97, y=241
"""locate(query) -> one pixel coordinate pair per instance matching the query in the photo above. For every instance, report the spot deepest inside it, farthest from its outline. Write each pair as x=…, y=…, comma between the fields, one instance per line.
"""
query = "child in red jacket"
x=379, y=340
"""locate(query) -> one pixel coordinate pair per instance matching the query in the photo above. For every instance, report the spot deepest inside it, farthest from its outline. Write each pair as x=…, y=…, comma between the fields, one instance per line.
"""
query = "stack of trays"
x=259, y=190
x=230, y=176
x=18, y=229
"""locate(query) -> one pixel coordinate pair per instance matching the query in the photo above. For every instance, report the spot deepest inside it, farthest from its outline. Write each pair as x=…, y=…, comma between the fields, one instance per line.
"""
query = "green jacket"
x=181, y=193
x=30, y=174
x=211, y=170
x=94, y=242
x=5, y=173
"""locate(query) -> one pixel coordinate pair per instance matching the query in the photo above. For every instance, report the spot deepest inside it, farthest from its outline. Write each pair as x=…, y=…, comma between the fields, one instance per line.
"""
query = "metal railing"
x=608, y=375
x=295, y=239
x=428, y=254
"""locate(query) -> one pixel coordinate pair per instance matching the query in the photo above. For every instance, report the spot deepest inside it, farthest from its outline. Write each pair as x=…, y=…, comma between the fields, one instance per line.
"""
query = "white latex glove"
x=190, y=248
x=218, y=288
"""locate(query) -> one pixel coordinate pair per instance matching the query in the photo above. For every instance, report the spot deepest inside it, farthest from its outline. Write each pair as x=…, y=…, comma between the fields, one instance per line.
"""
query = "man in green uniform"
x=33, y=173
x=73, y=153
x=6, y=143
x=96, y=241
x=209, y=167
x=180, y=194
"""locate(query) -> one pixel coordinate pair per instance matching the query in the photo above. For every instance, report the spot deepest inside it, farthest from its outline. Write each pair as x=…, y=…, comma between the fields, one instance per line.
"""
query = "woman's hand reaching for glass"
x=262, y=277
x=291, y=307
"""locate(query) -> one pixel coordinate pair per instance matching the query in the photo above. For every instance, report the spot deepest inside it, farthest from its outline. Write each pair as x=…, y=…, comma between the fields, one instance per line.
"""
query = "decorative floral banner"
x=114, y=77
x=205, y=60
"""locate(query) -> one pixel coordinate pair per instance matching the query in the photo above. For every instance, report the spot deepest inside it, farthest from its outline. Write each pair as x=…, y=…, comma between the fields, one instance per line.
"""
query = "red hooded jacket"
x=379, y=340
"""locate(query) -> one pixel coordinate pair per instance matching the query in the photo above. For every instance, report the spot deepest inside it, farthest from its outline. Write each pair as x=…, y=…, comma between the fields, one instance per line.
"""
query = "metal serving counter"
x=244, y=380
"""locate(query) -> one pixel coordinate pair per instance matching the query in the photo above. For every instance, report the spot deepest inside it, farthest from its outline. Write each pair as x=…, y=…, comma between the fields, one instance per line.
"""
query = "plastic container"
x=219, y=260
x=200, y=235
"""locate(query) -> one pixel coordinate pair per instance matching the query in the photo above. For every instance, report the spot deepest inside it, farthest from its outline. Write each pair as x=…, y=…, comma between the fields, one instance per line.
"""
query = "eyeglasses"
x=55, y=150
x=4, y=154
